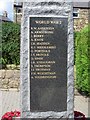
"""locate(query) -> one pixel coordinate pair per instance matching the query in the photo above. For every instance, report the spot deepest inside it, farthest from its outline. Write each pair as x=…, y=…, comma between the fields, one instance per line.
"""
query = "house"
x=17, y=11
x=81, y=10
x=4, y=17
x=81, y=13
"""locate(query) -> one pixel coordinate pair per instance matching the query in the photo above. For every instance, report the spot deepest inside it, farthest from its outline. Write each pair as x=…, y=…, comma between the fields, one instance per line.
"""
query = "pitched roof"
x=81, y=3
x=5, y=19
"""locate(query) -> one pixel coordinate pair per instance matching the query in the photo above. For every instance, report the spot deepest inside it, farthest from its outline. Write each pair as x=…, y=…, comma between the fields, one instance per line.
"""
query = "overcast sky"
x=7, y=5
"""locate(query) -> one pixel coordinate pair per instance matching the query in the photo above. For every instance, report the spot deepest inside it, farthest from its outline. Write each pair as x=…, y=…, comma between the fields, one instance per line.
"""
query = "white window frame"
x=76, y=11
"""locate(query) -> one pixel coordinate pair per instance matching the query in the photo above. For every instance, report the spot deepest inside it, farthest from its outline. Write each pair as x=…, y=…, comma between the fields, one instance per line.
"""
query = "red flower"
x=10, y=115
x=79, y=116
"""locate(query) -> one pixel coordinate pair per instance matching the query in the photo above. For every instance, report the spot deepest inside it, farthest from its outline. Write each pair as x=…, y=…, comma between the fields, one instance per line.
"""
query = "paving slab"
x=81, y=104
x=10, y=101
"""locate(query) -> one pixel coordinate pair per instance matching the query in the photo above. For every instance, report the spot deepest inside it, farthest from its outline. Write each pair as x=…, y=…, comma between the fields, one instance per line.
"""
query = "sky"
x=7, y=5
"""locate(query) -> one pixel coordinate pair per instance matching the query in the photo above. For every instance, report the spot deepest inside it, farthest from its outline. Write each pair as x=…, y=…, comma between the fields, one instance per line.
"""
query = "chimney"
x=5, y=14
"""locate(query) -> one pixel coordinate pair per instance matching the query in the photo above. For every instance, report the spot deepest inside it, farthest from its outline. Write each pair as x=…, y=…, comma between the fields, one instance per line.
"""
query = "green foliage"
x=82, y=62
x=10, y=43
x=76, y=33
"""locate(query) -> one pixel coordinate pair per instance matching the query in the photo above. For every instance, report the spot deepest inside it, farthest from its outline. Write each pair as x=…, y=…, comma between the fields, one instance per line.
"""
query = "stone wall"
x=82, y=19
x=19, y=16
x=9, y=79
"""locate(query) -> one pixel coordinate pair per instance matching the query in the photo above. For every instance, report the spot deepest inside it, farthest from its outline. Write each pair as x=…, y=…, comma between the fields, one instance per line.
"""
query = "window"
x=75, y=13
x=19, y=10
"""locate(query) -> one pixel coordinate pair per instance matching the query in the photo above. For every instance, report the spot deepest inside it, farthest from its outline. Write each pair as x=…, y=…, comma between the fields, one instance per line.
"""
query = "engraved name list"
x=48, y=62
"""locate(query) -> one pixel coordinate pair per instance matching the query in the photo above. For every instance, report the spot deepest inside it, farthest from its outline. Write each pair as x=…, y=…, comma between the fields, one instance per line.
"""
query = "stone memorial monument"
x=47, y=78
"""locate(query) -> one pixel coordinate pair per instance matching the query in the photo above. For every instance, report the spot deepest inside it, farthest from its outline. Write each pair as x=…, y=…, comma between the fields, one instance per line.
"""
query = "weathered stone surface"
x=17, y=74
x=5, y=81
x=47, y=8
x=9, y=74
x=82, y=20
x=9, y=79
x=13, y=83
x=2, y=74
x=5, y=87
